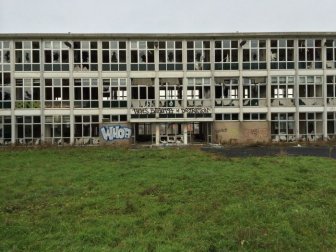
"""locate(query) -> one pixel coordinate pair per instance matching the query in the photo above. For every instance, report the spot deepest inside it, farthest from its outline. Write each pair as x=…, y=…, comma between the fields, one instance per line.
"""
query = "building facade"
x=167, y=88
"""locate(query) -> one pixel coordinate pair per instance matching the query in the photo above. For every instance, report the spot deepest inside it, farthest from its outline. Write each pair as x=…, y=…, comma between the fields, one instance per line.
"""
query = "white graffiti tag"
x=110, y=133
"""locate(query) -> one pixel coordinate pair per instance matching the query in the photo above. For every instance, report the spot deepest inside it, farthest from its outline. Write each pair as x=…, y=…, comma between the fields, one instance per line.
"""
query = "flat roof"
x=167, y=35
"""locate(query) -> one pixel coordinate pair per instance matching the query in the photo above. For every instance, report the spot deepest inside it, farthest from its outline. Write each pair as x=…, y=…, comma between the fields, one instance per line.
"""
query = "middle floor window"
x=86, y=93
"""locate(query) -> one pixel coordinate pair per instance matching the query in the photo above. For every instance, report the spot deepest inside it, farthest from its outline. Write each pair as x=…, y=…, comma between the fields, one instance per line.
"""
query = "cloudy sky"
x=166, y=16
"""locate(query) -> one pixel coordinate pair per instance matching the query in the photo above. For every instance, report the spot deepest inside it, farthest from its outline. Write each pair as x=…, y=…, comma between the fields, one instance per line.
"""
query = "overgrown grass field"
x=114, y=199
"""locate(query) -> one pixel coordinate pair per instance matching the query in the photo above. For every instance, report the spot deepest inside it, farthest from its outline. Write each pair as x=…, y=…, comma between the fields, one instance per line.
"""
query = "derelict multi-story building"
x=167, y=88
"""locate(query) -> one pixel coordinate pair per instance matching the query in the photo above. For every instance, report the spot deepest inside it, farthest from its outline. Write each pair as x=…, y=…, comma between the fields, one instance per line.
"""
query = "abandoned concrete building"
x=167, y=88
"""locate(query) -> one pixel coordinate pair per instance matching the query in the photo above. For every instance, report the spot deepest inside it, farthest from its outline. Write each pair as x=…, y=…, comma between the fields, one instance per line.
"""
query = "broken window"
x=86, y=129
x=57, y=129
x=86, y=93
x=85, y=56
x=57, y=93
x=170, y=55
x=199, y=92
x=310, y=54
x=331, y=125
x=5, y=129
x=142, y=55
x=27, y=56
x=142, y=93
x=5, y=90
x=310, y=126
x=198, y=55
x=331, y=90
x=310, y=91
x=28, y=129
x=283, y=127
x=27, y=93
x=282, y=54
x=254, y=54
x=254, y=116
x=114, y=93
x=226, y=92
x=331, y=53
x=226, y=55
x=282, y=91
x=170, y=92
x=56, y=56
x=254, y=91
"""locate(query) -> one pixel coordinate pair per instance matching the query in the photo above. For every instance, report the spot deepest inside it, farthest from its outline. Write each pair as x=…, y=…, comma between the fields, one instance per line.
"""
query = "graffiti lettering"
x=110, y=133
x=146, y=111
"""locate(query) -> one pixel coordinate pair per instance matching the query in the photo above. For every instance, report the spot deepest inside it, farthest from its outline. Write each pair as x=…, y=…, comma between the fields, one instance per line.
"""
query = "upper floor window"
x=331, y=90
x=282, y=91
x=85, y=56
x=4, y=56
x=170, y=55
x=310, y=91
x=56, y=56
x=114, y=93
x=254, y=91
x=331, y=53
x=226, y=92
x=57, y=93
x=5, y=90
x=282, y=54
x=27, y=56
x=142, y=56
x=86, y=93
x=198, y=55
x=226, y=55
x=199, y=92
x=28, y=93
x=310, y=54
x=114, y=56
x=254, y=54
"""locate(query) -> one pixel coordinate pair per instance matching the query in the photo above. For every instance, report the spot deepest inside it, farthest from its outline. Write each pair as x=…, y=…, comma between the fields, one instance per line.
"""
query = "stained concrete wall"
x=241, y=132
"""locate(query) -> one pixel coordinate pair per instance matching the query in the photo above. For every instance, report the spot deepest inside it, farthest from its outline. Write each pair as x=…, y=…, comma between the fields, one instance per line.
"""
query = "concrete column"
x=240, y=67
x=72, y=96
x=13, y=91
x=100, y=81
x=185, y=133
x=157, y=133
x=42, y=90
x=324, y=91
x=296, y=88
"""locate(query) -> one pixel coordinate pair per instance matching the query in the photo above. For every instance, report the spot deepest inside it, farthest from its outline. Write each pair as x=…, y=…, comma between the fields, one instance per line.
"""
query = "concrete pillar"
x=185, y=133
x=157, y=134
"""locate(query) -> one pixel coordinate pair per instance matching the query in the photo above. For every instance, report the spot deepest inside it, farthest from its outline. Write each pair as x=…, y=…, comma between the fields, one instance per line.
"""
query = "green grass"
x=103, y=199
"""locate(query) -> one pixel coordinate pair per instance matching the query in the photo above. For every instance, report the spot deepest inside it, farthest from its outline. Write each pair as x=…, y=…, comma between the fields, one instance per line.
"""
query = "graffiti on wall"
x=115, y=132
x=256, y=133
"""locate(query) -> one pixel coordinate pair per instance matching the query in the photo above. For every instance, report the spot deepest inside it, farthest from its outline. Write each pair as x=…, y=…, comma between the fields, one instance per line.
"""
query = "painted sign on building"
x=115, y=132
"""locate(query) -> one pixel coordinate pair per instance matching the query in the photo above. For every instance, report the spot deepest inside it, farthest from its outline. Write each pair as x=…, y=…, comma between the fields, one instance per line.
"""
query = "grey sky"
x=166, y=16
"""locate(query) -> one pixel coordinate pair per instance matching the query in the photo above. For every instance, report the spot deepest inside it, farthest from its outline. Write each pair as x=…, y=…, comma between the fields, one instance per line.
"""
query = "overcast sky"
x=166, y=16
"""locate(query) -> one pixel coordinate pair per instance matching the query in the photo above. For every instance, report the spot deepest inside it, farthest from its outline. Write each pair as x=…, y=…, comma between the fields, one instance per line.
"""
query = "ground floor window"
x=5, y=130
x=28, y=129
x=86, y=129
x=311, y=126
x=282, y=127
x=57, y=129
x=331, y=125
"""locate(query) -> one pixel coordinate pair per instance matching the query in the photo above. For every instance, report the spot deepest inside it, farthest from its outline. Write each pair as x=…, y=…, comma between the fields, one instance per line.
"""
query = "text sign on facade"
x=115, y=132
x=147, y=111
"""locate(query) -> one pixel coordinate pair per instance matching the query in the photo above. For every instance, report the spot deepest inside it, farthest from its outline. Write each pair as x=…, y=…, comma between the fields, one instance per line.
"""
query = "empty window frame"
x=57, y=129
x=114, y=55
x=282, y=91
x=226, y=92
x=27, y=93
x=142, y=56
x=114, y=118
x=143, y=93
x=57, y=93
x=254, y=116
x=86, y=93
x=199, y=92
x=56, y=56
x=282, y=127
x=5, y=56
x=227, y=117
x=114, y=93
x=226, y=55
x=331, y=90
x=331, y=125
x=85, y=56
x=198, y=55
x=310, y=54
x=170, y=55
x=254, y=54
x=170, y=91
x=310, y=126
x=254, y=91
x=282, y=54
x=5, y=130
x=310, y=91
x=28, y=129
x=86, y=129
x=5, y=90
x=27, y=56
x=331, y=53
